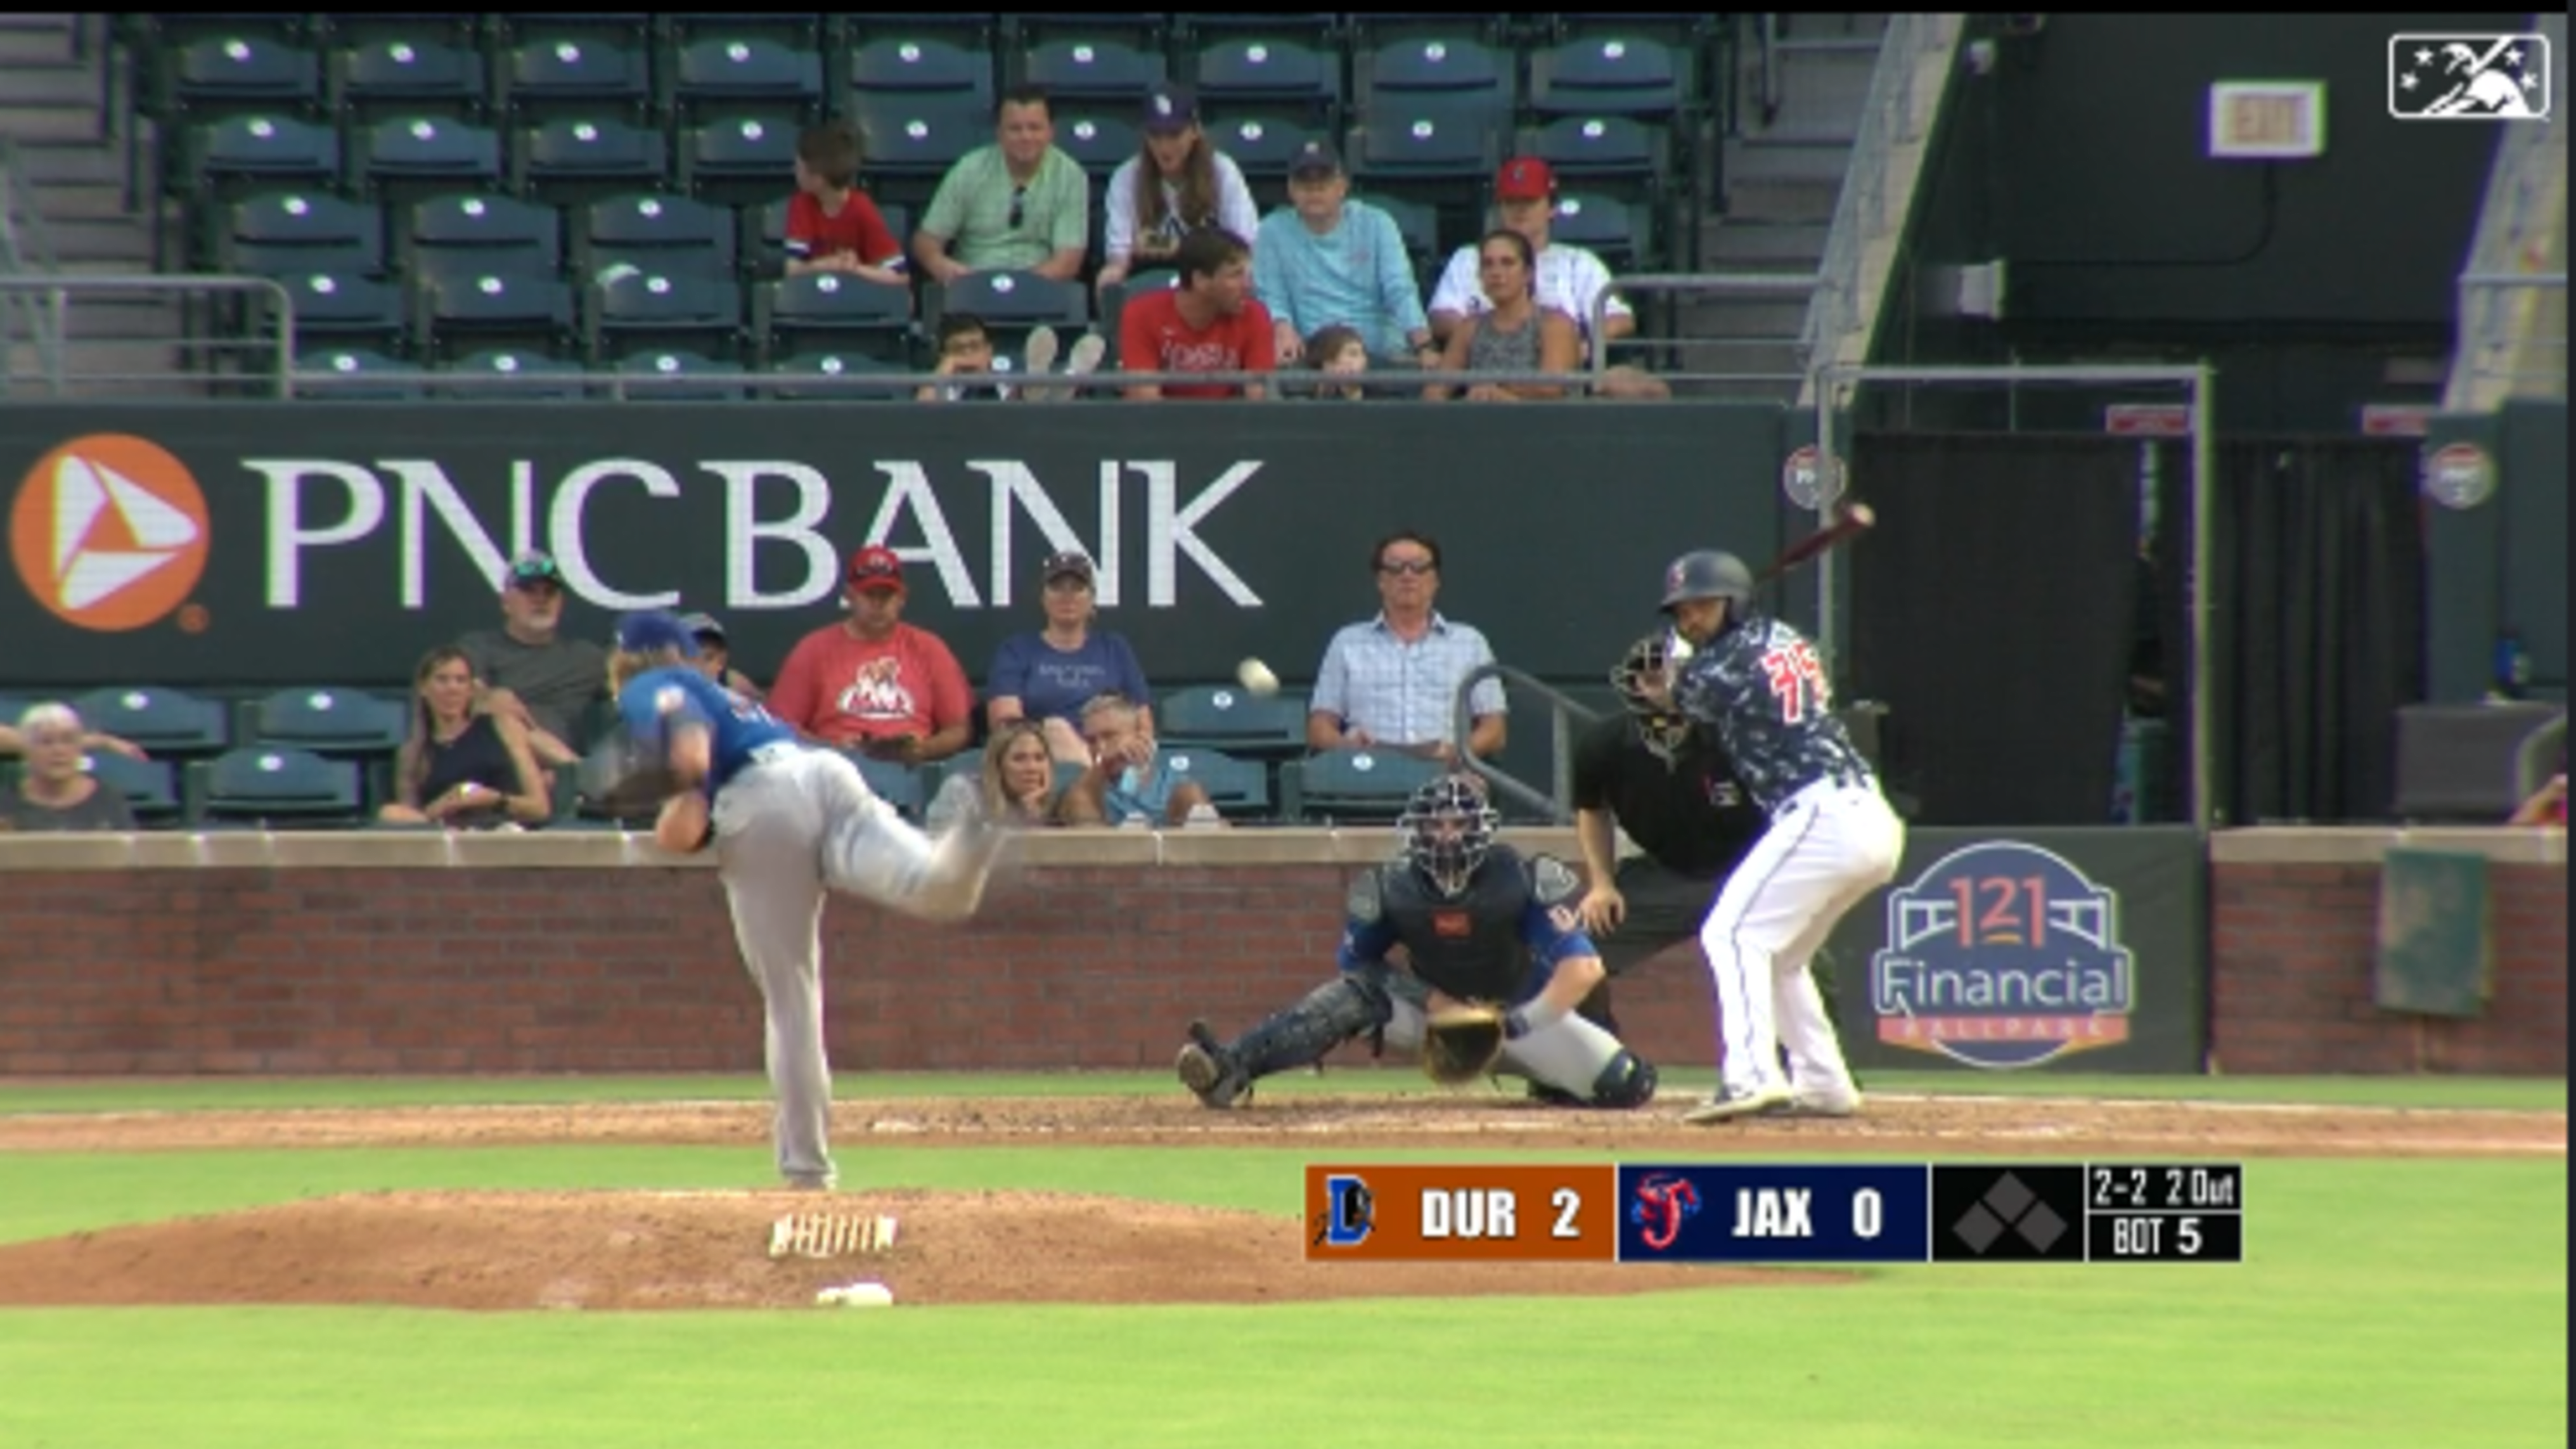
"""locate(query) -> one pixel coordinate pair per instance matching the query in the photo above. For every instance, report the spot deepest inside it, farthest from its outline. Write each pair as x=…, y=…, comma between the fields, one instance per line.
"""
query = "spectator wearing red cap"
x=1571, y=279
x=873, y=682
x=1209, y=323
x=1174, y=185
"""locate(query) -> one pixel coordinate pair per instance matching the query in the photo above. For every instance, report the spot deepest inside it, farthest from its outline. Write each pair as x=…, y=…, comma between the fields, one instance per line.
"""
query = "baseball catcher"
x=1496, y=962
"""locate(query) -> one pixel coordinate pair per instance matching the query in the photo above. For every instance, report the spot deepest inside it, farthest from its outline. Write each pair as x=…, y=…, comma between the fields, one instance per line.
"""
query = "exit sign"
x=2267, y=120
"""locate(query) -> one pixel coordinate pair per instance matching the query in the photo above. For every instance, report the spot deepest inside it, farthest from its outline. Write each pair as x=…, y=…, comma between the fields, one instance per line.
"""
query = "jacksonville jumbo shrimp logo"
x=109, y=532
x=1664, y=1202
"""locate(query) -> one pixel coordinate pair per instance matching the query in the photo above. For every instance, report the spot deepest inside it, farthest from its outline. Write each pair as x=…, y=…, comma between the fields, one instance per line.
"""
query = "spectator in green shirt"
x=1017, y=205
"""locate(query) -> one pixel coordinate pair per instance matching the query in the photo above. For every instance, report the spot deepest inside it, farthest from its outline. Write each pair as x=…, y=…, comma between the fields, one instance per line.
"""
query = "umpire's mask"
x=1448, y=829
x=1644, y=679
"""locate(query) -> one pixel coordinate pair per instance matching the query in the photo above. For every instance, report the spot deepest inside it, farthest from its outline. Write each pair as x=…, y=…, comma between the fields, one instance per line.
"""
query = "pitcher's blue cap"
x=655, y=629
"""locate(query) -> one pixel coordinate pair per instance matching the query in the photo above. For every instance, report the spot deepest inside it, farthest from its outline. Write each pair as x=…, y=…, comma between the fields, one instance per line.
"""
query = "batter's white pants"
x=1828, y=847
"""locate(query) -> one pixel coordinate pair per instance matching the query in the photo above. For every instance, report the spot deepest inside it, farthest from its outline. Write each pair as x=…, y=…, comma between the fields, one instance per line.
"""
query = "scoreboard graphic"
x=2059, y=1212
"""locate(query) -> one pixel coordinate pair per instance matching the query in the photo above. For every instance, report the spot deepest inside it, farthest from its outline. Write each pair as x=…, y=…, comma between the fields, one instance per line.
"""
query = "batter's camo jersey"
x=1762, y=689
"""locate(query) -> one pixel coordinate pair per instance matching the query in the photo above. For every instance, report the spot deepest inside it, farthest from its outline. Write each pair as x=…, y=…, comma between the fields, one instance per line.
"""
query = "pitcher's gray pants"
x=788, y=826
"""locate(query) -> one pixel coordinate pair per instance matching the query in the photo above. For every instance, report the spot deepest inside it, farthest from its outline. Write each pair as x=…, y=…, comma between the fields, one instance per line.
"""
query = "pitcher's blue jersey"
x=740, y=725
x=1760, y=687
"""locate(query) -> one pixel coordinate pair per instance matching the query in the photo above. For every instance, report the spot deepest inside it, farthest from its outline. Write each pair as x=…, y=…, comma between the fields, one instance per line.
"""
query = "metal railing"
x=25, y=249
x=1288, y=384
x=1739, y=284
x=45, y=298
x=1888, y=118
x=1567, y=714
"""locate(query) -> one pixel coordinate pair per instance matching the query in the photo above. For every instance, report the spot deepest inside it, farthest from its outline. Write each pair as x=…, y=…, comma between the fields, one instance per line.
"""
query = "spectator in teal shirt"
x=1325, y=259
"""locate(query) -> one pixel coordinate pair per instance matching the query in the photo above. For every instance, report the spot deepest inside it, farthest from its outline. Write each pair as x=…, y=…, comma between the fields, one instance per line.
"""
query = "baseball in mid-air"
x=1256, y=678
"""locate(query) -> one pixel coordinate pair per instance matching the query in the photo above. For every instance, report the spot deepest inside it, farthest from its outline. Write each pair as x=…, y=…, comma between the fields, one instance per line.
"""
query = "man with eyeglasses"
x=1020, y=204
x=1392, y=682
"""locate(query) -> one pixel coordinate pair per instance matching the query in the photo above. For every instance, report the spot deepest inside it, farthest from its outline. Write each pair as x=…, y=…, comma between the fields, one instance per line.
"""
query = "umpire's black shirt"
x=1689, y=814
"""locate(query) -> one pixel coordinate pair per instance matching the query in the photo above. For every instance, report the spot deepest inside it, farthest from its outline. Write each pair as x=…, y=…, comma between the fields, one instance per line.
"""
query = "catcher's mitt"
x=1462, y=1043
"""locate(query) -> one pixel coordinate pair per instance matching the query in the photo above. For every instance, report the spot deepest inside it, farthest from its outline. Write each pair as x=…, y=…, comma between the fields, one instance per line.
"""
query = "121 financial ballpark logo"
x=2455, y=77
x=109, y=533
x=2002, y=955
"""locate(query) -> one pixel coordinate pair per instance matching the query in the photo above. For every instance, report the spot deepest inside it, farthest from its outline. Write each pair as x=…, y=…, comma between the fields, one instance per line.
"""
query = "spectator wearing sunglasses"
x=1392, y=682
x=1019, y=204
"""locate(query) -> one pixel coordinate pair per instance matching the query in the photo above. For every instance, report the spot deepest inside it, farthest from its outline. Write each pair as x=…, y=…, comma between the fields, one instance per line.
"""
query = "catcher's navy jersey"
x=655, y=699
x=1480, y=946
x=1760, y=687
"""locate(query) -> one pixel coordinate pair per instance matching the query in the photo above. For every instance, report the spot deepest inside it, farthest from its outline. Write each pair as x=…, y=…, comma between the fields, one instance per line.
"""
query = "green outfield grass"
x=262, y=1093
x=2400, y=1303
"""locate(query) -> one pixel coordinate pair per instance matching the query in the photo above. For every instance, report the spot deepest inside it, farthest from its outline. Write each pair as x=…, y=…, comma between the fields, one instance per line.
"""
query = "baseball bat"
x=1853, y=520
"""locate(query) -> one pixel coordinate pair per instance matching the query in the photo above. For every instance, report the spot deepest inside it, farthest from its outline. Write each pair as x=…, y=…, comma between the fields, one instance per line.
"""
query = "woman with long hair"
x=1518, y=335
x=1193, y=185
x=788, y=822
x=463, y=767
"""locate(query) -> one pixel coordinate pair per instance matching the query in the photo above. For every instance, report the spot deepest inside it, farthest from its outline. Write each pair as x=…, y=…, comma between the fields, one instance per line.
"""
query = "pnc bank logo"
x=109, y=532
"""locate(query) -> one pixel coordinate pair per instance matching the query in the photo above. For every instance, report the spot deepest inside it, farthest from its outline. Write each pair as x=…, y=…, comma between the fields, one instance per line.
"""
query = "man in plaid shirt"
x=1392, y=681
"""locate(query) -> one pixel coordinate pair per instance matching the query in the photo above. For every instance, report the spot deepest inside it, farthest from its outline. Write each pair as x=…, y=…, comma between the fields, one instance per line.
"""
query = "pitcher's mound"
x=637, y=1250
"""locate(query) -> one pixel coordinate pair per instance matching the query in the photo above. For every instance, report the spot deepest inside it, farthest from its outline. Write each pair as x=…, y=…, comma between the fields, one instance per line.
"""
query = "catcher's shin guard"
x=1330, y=1015
x=1629, y=1081
x=1595, y=1008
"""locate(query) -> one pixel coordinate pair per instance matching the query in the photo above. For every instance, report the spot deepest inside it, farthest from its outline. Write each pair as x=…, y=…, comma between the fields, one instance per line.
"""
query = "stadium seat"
x=230, y=156
x=569, y=162
x=1610, y=76
x=162, y=721
x=838, y=376
x=1092, y=70
x=1100, y=144
x=285, y=232
x=649, y=311
x=1235, y=787
x=1228, y=718
x=407, y=157
x=576, y=80
x=1015, y=299
x=413, y=76
x=746, y=76
x=1239, y=78
x=1426, y=139
x=764, y=234
x=482, y=234
x=353, y=374
x=1369, y=31
x=291, y=786
x=1620, y=233
x=351, y=28
x=331, y=722
x=921, y=65
x=151, y=787
x=671, y=235
x=1135, y=30
x=911, y=141
x=1447, y=67
x=1341, y=785
x=174, y=32
x=240, y=75
x=898, y=785
x=822, y=311
x=1262, y=148
x=975, y=30
x=620, y=28
x=458, y=379
x=1601, y=148
x=704, y=379
x=739, y=160
x=463, y=310
x=348, y=309
x=1414, y=220
x=1321, y=33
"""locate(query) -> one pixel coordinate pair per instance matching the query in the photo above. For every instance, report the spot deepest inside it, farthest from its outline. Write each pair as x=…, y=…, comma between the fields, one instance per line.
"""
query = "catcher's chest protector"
x=1470, y=947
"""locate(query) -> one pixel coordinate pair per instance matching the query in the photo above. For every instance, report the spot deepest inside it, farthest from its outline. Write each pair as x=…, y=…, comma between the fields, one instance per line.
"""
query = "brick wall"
x=562, y=965
x=2291, y=990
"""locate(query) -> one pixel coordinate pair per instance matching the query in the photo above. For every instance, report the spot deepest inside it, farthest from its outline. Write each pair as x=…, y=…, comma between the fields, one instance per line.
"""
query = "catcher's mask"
x=1644, y=679
x=1448, y=829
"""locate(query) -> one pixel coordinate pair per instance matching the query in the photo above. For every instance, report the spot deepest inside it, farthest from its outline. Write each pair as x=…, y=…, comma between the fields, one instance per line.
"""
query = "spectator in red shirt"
x=832, y=227
x=1211, y=322
x=873, y=682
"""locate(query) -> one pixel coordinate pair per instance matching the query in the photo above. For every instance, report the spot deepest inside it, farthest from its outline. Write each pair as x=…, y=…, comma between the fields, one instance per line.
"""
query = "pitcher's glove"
x=1462, y=1043
x=621, y=781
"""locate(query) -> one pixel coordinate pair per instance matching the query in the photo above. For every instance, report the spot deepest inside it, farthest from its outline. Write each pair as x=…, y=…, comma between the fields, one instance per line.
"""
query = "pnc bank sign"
x=110, y=532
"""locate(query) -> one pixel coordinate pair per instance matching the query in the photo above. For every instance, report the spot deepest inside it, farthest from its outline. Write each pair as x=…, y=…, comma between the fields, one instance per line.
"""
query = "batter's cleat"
x=1823, y=1104
x=1728, y=1106
x=1209, y=1070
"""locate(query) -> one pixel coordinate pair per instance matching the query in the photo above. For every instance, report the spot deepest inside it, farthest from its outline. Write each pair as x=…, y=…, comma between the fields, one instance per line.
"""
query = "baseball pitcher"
x=788, y=821
x=1498, y=962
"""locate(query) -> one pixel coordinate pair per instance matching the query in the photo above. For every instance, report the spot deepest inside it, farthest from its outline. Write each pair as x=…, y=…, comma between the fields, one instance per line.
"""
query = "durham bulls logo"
x=2002, y=955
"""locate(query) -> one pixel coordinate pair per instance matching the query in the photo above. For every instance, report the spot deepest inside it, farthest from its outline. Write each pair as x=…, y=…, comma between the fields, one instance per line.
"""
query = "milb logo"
x=109, y=533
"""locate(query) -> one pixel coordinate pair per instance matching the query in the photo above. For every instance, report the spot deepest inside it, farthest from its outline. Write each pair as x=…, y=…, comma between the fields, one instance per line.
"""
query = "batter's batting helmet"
x=1706, y=573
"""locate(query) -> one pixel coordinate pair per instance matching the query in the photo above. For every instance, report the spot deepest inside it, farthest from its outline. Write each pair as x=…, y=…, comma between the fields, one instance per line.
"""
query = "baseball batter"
x=1479, y=924
x=1758, y=686
x=787, y=821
